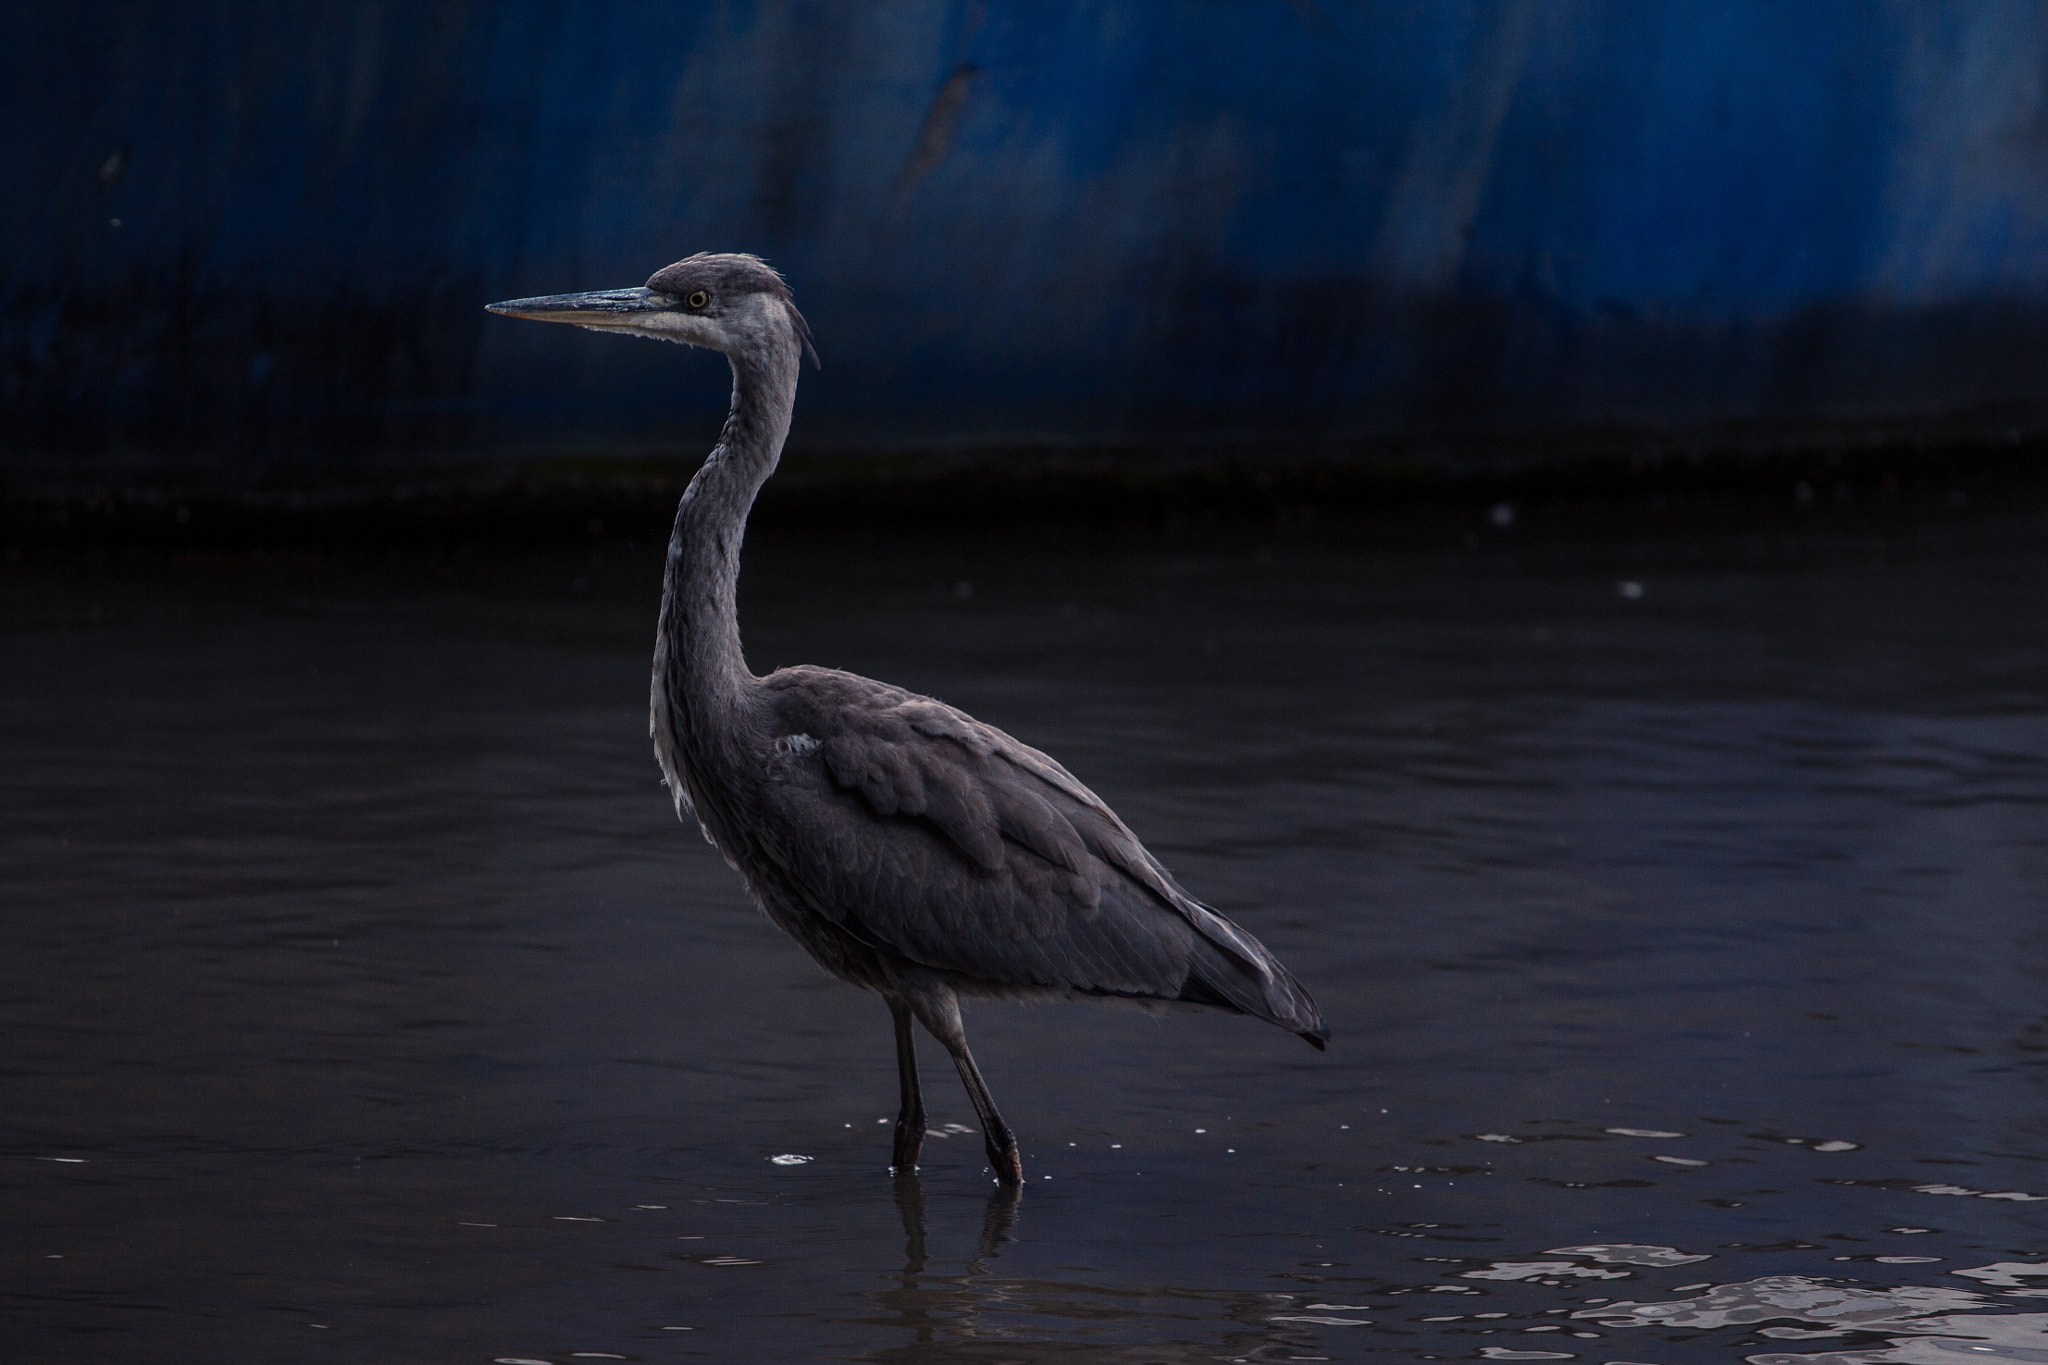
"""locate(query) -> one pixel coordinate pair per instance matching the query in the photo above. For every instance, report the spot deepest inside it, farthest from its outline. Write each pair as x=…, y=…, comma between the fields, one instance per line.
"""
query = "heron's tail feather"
x=1219, y=979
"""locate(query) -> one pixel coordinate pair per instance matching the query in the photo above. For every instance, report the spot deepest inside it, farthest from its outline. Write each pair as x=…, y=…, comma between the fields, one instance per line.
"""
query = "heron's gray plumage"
x=910, y=848
x=926, y=834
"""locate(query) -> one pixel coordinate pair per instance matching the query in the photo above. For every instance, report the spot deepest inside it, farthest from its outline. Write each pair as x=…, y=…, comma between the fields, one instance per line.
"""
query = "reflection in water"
x=1609, y=1254
x=996, y=1225
x=1923, y=1324
x=944, y=1309
x=977, y=1314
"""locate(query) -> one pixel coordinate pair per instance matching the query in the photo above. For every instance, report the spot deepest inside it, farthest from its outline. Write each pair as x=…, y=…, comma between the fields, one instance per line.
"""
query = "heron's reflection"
x=971, y=1312
x=997, y=1224
x=939, y=1310
x=910, y=1204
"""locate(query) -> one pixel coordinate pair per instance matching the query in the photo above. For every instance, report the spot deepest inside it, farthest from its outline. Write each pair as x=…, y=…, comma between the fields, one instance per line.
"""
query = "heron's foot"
x=1005, y=1159
x=909, y=1142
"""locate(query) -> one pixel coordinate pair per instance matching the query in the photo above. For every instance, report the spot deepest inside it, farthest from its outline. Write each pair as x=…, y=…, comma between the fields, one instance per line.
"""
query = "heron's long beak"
x=598, y=308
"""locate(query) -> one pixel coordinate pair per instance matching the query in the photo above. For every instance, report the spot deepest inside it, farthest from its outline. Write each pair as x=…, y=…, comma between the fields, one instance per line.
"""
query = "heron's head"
x=725, y=302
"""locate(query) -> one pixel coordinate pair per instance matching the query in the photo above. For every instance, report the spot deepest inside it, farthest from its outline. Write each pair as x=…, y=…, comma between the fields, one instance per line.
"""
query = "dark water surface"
x=1683, y=944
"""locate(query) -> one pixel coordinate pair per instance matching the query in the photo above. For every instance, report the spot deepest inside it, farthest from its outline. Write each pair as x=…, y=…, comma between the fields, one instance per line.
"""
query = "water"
x=1683, y=947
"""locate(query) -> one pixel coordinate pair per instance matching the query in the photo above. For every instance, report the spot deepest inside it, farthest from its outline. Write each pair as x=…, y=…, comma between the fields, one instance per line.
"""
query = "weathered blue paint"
x=1093, y=221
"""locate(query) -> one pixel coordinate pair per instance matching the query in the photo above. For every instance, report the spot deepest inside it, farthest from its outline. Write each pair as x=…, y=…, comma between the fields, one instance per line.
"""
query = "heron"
x=909, y=848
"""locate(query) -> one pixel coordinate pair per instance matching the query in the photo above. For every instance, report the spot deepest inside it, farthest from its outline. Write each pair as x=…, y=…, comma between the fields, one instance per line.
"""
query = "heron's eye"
x=697, y=299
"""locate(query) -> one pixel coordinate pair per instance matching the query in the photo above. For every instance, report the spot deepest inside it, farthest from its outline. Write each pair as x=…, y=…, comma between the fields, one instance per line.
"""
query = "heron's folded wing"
x=954, y=845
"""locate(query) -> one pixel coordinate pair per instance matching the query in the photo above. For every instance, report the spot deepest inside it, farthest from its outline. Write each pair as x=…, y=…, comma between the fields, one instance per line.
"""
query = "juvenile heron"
x=908, y=847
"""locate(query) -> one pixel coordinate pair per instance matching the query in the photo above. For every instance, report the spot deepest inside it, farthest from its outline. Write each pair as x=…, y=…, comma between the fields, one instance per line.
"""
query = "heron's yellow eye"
x=697, y=299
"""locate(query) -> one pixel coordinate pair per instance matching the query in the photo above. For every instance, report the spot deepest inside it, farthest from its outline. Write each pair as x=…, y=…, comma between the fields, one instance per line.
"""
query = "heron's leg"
x=938, y=1009
x=910, y=1118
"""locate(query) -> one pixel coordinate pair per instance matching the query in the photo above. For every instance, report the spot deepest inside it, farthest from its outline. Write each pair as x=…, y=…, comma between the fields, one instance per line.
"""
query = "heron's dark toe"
x=909, y=1143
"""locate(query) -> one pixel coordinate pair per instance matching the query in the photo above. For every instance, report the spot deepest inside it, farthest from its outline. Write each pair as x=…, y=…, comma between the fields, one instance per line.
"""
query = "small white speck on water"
x=575, y=1218
x=66, y=1160
x=1116, y=1144
x=476, y=1225
x=650, y=1206
x=1201, y=1130
x=1642, y=1132
x=1680, y=1160
x=1836, y=1145
x=789, y=1159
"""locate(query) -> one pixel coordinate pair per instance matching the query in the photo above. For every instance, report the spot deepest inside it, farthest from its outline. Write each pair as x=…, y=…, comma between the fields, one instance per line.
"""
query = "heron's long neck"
x=700, y=673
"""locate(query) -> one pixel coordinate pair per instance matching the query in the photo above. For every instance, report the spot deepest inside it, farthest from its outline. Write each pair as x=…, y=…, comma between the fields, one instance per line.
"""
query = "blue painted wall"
x=1098, y=221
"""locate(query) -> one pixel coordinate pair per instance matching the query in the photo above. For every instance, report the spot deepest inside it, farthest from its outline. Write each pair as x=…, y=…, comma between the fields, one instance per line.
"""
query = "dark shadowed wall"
x=248, y=233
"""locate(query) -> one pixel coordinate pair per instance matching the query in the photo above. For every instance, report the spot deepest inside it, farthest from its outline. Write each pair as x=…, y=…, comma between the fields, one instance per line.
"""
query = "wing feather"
x=915, y=826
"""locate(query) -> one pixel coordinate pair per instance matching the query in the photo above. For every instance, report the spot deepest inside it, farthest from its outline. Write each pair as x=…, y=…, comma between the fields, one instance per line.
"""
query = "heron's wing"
x=945, y=841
